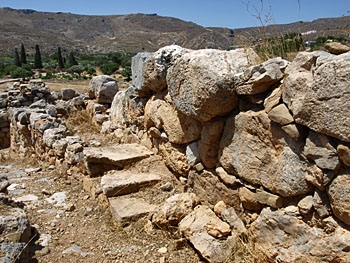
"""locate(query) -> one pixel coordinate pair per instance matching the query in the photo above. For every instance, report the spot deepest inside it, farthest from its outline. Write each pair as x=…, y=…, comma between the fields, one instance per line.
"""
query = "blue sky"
x=219, y=13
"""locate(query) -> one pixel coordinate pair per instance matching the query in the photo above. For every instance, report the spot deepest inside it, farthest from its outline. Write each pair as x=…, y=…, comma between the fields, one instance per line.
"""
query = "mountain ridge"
x=134, y=32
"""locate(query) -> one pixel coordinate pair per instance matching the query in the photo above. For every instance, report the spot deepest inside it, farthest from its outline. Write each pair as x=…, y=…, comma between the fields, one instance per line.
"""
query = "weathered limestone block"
x=180, y=128
x=336, y=48
x=273, y=99
x=256, y=201
x=339, y=194
x=210, y=190
x=319, y=149
x=126, y=108
x=201, y=83
x=174, y=209
x=344, y=154
x=285, y=238
x=123, y=183
x=175, y=158
x=103, y=88
x=256, y=150
x=280, y=114
x=209, y=143
x=137, y=64
x=195, y=228
x=260, y=78
x=325, y=103
x=156, y=66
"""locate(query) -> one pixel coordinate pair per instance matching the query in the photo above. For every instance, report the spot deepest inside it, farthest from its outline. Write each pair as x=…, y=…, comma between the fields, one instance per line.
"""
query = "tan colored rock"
x=285, y=238
x=175, y=209
x=292, y=131
x=339, y=194
x=305, y=205
x=258, y=151
x=201, y=83
x=210, y=142
x=194, y=227
x=210, y=190
x=344, y=154
x=273, y=99
x=180, y=128
x=280, y=114
x=255, y=201
x=315, y=176
x=249, y=200
x=336, y=48
x=219, y=207
x=230, y=216
x=218, y=230
x=123, y=182
x=225, y=177
x=175, y=158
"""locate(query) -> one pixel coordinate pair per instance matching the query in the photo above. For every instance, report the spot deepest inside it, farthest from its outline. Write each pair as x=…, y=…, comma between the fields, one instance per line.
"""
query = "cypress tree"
x=17, y=61
x=23, y=55
x=37, y=58
x=60, y=59
x=72, y=60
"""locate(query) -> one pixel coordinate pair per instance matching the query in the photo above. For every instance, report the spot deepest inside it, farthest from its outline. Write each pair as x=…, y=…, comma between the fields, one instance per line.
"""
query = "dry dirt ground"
x=80, y=228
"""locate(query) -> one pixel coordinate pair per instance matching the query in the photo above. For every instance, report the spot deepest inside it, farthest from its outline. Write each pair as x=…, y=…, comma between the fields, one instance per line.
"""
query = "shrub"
x=20, y=73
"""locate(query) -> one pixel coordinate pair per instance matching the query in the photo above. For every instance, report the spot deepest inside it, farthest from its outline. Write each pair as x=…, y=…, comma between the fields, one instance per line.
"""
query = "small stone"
x=199, y=167
x=219, y=207
x=167, y=187
x=163, y=250
x=305, y=205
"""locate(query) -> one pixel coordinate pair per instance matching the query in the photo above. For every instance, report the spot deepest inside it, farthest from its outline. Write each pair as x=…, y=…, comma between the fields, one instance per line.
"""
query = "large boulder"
x=258, y=151
x=103, y=88
x=137, y=63
x=317, y=91
x=285, y=238
x=201, y=83
x=339, y=193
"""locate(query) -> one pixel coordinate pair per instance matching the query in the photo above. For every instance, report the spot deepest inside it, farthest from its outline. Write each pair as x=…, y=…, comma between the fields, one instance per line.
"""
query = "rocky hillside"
x=137, y=32
x=133, y=32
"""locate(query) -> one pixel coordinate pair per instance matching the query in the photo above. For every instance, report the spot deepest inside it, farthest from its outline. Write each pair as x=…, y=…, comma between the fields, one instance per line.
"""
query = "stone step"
x=126, y=182
x=102, y=159
x=125, y=209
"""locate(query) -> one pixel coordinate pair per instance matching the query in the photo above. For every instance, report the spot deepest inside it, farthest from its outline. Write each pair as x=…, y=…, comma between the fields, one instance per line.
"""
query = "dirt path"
x=73, y=227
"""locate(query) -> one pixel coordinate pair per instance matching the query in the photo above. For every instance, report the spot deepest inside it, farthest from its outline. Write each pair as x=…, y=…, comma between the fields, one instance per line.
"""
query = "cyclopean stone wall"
x=271, y=140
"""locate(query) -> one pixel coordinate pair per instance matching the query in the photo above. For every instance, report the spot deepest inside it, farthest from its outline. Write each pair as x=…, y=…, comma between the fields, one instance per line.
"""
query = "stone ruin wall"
x=266, y=138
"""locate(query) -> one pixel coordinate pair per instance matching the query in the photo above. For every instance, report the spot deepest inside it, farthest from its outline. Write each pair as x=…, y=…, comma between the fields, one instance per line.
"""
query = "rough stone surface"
x=260, y=78
x=181, y=129
x=339, y=193
x=326, y=100
x=126, y=209
x=344, y=154
x=137, y=63
x=100, y=160
x=123, y=183
x=319, y=149
x=175, y=209
x=285, y=238
x=201, y=84
x=175, y=158
x=194, y=227
x=273, y=99
x=103, y=88
x=68, y=93
x=210, y=142
x=336, y=48
x=305, y=205
x=210, y=190
x=280, y=114
x=257, y=151
x=255, y=201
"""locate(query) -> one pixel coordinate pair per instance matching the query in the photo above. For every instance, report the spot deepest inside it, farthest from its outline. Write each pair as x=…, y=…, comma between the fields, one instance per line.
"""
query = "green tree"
x=37, y=58
x=17, y=60
x=23, y=55
x=77, y=69
x=59, y=58
x=72, y=60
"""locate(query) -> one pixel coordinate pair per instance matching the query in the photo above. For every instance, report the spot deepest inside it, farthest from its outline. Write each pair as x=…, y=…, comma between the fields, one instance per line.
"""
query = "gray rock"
x=258, y=151
x=192, y=153
x=260, y=78
x=137, y=63
x=68, y=93
x=285, y=238
x=319, y=149
x=201, y=84
x=103, y=88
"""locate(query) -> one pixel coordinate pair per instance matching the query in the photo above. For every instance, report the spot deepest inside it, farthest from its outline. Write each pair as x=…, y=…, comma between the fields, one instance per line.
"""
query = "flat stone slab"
x=124, y=182
x=125, y=208
x=102, y=159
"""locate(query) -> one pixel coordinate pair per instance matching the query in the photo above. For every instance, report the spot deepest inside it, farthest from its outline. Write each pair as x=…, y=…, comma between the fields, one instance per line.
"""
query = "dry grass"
x=80, y=122
x=244, y=252
x=78, y=85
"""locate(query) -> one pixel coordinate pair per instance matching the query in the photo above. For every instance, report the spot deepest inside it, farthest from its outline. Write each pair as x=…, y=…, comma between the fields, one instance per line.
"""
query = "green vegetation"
x=63, y=64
